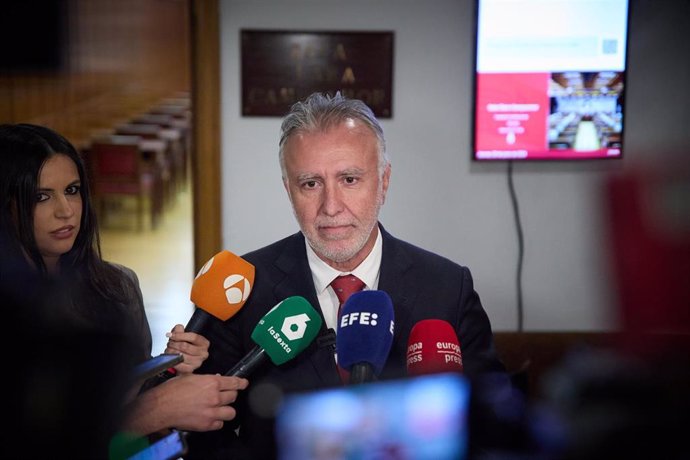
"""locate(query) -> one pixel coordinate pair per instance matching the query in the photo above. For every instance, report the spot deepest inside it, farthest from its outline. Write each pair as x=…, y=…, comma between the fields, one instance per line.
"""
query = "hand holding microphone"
x=193, y=346
x=198, y=402
x=281, y=334
x=219, y=290
x=433, y=347
x=365, y=334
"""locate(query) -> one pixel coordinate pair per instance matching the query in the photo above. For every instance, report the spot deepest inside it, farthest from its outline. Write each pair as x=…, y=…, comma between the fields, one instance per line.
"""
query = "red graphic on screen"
x=512, y=111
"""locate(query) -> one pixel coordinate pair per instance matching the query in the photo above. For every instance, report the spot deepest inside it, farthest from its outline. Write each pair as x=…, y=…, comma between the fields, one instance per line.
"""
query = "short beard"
x=340, y=254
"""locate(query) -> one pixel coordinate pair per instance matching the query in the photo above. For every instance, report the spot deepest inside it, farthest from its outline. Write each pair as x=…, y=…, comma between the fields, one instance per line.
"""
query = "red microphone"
x=433, y=347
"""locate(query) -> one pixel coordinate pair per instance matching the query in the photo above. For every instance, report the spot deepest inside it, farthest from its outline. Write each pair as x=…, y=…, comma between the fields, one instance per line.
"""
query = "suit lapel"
x=395, y=278
x=292, y=261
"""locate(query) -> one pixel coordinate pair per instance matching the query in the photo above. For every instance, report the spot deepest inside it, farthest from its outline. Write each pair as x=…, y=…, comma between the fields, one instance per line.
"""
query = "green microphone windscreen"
x=287, y=329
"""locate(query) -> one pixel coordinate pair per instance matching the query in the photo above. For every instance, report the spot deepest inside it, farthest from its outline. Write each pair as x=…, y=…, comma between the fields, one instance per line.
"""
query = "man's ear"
x=385, y=179
x=287, y=188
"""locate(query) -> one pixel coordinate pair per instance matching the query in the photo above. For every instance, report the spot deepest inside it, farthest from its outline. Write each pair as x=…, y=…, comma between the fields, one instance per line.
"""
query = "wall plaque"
x=282, y=67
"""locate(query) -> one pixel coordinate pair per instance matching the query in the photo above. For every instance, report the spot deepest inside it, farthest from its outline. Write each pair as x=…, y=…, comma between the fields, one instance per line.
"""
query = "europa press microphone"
x=281, y=334
x=433, y=347
x=365, y=334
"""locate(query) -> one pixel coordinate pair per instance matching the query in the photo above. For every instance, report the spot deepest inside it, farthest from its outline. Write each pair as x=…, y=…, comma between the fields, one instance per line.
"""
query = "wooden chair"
x=175, y=131
x=119, y=170
x=179, y=109
x=161, y=147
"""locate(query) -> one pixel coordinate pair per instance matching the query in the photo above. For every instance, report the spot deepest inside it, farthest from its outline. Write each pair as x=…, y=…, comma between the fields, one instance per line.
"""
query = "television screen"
x=421, y=418
x=549, y=80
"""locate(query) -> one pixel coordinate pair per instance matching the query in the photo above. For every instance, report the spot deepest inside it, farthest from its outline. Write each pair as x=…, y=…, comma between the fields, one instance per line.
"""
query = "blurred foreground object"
x=649, y=220
x=632, y=400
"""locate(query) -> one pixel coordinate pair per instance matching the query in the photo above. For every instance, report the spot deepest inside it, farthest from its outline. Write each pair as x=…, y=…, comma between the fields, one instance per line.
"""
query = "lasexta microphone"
x=365, y=334
x=283, y=333
x=220, y=289
x=433, y=347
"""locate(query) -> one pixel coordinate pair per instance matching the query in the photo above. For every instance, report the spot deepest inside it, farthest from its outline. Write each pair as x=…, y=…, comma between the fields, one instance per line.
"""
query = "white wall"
x=438, y=198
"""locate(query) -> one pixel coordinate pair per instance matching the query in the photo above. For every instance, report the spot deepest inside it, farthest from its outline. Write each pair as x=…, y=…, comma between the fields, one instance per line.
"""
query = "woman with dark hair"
x=51, y=264
x=49, y=228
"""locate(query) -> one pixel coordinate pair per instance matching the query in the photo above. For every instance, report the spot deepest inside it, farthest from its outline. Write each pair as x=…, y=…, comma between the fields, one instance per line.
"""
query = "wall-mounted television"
x=549, y=80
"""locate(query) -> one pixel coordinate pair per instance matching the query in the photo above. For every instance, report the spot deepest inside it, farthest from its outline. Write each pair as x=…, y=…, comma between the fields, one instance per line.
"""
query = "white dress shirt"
x=323, y=274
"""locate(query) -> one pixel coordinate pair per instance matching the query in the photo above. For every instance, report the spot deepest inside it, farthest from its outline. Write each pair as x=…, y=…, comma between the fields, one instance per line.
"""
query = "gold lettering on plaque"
x=295, y=52
x=287, y=94
x=348, y=76
x=340, y=52
x=311, y=52
x=372, y=97
x=270, y=96
x=296, y=57
x=299, y=65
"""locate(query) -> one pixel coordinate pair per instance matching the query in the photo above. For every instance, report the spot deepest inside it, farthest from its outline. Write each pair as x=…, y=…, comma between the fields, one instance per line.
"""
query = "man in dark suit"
x=336, y=173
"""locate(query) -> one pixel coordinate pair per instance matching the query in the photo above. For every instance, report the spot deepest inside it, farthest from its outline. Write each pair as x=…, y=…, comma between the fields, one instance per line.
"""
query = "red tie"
x=344, y=286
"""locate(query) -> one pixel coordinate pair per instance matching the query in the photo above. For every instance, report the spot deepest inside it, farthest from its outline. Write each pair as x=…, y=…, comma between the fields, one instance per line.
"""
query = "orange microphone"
x=220, y=289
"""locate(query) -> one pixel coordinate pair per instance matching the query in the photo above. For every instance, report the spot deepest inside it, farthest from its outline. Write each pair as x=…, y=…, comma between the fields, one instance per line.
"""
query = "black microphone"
x=327, y=339
x=282, y=333
x=365, y=335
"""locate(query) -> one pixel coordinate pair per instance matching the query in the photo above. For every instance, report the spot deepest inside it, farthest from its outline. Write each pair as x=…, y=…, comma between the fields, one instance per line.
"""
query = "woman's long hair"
x=80, y=314
x=24, y=149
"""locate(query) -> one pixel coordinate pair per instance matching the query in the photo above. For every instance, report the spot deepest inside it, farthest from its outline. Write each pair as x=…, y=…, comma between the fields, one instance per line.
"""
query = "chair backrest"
x=145, y=130
x=117, y=167
x=159, y=119
x=116, y=162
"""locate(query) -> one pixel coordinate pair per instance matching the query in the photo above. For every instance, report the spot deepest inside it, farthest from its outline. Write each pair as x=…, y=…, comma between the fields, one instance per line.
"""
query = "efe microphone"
x=365, y=334
x=283, y=333
x=433, y=347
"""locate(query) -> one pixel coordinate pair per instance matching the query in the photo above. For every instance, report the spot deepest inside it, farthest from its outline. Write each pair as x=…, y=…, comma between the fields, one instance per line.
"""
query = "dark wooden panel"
x=205, y=31
x=529, y=356
x=282, y=67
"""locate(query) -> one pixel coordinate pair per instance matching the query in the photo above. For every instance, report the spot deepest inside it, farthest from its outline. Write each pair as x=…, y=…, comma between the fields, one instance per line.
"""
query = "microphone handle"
x=198, y=320
x=195, y=324
x=362, y=373
x=249, y=363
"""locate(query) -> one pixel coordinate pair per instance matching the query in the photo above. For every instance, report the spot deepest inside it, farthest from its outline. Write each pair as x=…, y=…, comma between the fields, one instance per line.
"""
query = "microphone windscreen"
x=433, y=347
x=365, y=330
x=287, y=329
x=222, y=285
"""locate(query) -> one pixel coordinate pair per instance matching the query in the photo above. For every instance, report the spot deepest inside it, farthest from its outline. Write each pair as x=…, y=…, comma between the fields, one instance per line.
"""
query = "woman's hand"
x=193, y=346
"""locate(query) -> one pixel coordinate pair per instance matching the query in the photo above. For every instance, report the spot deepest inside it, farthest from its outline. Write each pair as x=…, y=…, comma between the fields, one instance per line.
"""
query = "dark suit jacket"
x=421, y=285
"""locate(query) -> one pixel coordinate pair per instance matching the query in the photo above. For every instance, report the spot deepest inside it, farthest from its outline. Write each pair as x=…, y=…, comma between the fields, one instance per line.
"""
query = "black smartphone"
x=170, y=447
x=155, y=365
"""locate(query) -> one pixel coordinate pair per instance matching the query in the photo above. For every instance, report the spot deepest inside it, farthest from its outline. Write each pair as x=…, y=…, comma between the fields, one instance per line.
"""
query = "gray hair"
x=319, y=112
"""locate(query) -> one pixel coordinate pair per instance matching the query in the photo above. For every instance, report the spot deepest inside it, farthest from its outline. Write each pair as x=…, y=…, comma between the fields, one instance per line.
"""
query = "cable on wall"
x=521, y=245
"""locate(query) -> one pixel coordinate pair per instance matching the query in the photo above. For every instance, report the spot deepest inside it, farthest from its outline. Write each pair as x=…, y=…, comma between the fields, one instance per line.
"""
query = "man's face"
x=336, y=193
